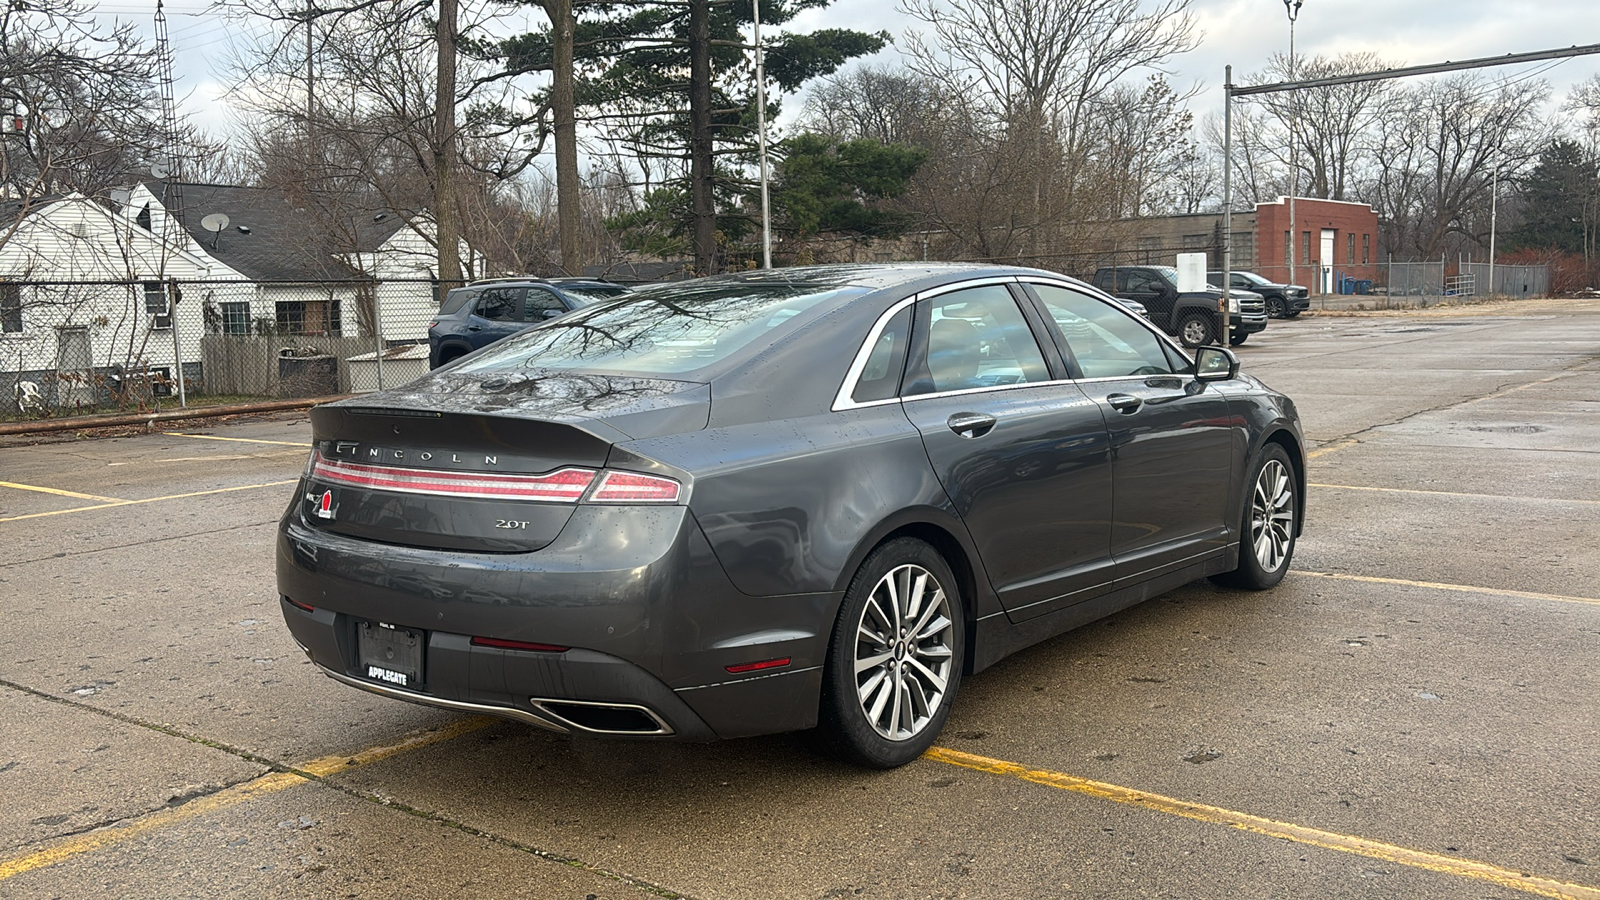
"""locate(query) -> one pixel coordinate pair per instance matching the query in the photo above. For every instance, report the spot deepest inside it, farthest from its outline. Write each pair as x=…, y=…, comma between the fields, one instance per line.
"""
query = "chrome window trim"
x=842, y=400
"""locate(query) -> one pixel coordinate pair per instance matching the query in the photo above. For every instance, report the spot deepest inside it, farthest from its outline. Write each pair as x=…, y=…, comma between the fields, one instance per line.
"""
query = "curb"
x=77, y=423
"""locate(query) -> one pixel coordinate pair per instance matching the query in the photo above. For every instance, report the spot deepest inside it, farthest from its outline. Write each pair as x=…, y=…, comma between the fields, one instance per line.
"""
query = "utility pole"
x=444, y=152
x=563, y=25
x=761, y=137
x=1292, y=7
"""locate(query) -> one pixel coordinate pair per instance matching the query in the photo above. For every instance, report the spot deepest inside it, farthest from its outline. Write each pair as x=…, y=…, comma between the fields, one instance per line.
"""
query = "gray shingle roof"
x=270, y=237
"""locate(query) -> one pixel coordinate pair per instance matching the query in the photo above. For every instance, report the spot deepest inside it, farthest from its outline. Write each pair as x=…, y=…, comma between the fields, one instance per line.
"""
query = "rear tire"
x=894, y=662
x=1196, y=329
x=1267, y=534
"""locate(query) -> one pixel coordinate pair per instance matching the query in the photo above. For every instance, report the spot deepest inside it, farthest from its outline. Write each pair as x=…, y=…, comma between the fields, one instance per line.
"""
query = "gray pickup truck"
x=1193, y=317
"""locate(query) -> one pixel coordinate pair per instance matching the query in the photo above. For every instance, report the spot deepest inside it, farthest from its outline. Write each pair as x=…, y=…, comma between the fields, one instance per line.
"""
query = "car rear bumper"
x=641, y=621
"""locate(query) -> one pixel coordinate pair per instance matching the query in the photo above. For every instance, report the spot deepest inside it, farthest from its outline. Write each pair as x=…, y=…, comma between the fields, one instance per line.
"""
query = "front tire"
x=1267, y=536
x=894, y=663
x=1238, y=338
x=1276, y=308
x=1196, y=329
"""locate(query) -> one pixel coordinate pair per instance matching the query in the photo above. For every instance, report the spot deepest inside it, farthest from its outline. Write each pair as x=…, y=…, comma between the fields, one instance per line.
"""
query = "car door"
x=1150, y=289
x=1021, y=452
x=499, y=313
x=1174, y=443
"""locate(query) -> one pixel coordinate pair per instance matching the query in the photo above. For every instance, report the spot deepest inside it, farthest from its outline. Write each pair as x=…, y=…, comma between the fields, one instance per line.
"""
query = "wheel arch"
x=1292, y=446
x=948, y=537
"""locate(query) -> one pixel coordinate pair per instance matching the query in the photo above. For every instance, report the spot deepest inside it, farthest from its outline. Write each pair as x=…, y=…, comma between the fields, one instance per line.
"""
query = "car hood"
x=613, y=407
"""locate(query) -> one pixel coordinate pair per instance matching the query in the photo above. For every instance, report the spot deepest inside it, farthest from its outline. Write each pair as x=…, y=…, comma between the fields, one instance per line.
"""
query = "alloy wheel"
x=904, y=652
x=1272, y=516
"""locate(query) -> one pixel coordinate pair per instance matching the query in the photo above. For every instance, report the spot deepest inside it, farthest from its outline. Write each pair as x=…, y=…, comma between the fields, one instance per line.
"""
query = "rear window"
x=665, y=331
x=456, y=299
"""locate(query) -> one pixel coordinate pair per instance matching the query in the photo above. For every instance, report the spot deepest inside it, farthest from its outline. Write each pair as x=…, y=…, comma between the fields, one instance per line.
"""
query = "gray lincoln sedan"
x=779, y=500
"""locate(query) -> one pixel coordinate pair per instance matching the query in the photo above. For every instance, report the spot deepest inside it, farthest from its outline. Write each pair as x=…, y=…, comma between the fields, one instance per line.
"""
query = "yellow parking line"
x=212, y=437
x=116, y=503
x=1421, y=859
x=1329, y=448
x=232, y=796
x=57, y=491
x=1441, y=586
x=1385, y=490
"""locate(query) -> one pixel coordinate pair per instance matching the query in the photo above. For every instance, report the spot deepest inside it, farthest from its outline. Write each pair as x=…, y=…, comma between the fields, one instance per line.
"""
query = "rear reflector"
x=562, y=486
x=742, y=668
x=504, y=644
x=298, y=605
x=631, y=487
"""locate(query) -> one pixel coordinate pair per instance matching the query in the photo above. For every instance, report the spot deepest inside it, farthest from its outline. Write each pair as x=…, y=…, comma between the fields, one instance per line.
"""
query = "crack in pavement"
x=153, y=541
x=282, y=775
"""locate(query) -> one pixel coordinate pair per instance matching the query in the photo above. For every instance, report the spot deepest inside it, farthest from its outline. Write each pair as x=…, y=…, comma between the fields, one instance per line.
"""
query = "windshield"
x=1252, y=277
x=591, y=294
x=666, y=331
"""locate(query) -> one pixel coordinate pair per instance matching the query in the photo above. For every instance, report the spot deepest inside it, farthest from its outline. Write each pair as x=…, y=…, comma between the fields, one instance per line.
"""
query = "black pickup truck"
x=1193, y=317
x=1284, y=301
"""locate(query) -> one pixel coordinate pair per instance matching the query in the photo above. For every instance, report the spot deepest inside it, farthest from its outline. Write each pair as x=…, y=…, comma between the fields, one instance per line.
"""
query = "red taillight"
x=434, y=324
x=742, y=668
x=298, y=605
x=631, y=487
x=564, y=485
x=504, y=644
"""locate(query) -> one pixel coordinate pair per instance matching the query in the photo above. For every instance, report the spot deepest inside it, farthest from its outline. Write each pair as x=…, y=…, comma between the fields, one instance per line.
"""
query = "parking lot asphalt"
x=1412, y=713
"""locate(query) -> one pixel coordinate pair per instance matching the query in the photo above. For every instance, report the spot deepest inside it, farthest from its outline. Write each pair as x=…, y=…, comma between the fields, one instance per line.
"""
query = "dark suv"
x=486, y=311
x=1284, y=301
x=1192, y=317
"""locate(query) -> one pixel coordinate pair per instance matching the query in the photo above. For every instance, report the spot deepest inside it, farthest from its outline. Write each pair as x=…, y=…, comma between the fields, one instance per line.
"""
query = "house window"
x=10, y=308
x=155, y=303
x=1196, y=241
x=1288, y=245
x=1350, y=252
x=143, y=218
x=291, y=317
x=1366, y=249
x=1305, y=246
x=236, y=318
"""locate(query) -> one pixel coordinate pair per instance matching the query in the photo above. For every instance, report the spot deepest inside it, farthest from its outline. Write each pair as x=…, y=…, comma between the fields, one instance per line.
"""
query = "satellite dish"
x=158, y=171
x=121, y=196
x=215, y=223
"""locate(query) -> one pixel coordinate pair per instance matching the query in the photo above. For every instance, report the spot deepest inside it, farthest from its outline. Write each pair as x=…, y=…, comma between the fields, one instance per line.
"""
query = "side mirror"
x=1215, y=364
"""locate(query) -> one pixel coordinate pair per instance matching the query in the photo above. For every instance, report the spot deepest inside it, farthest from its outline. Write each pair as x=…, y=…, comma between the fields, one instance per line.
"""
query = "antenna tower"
x=172, y=189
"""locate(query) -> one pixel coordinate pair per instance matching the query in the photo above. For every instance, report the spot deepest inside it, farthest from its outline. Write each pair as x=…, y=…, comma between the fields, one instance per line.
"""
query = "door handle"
x=970, y=425
x=474, y=327
x=1127, y=404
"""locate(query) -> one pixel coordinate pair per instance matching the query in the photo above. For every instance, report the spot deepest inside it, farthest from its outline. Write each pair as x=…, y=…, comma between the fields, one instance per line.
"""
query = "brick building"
x=1337, y=240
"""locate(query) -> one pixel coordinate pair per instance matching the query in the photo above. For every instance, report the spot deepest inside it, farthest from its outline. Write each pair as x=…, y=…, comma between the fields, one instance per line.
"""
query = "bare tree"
x=1332, y=126
x=1435, y=157
x=1033, y=73
x=79, y=102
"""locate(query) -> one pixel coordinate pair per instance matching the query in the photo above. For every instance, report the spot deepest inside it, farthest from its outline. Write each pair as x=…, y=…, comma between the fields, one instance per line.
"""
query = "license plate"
x=390, y=654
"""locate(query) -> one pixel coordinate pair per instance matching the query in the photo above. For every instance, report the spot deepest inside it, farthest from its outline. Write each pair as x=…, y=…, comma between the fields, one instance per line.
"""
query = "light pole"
x=761, y=137
x=1292, y=7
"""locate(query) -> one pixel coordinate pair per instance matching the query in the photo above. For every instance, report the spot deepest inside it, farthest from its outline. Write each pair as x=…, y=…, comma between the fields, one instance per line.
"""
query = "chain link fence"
x=1509, y=281
x=77, y=347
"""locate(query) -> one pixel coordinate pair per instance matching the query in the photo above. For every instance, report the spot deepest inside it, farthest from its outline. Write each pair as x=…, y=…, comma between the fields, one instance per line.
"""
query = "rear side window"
x=880, y=377
x=501, y=304
x=977, y=338
x=541, y=304
x=455, y=300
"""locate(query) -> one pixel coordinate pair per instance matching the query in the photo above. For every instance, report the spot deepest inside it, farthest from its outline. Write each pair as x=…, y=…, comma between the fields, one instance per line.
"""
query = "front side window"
x=1106, y=342
x=542, y=304
x=667, y=331
x=977, y=338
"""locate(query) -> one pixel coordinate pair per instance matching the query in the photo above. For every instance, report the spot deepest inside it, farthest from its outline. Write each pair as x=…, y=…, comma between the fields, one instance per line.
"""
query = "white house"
x=91, y=290
x=84, y=292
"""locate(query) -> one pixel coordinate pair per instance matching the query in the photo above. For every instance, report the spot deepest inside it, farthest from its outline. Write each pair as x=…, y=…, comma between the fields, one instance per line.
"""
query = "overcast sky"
x=1237, y=32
